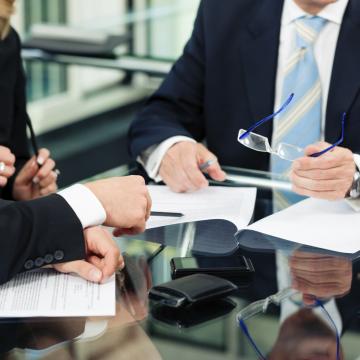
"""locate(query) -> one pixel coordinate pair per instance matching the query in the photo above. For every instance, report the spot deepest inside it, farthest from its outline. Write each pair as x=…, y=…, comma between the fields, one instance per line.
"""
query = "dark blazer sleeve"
x=36, y=233
x=18, y=141
x=177, y=107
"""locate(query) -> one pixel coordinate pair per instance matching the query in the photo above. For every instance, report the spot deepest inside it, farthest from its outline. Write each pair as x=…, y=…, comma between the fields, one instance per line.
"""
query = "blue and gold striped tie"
x=300, y=125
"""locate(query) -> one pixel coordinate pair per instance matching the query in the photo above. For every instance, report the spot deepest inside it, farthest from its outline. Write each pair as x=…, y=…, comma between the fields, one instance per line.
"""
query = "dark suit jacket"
x=12, y=104
x=34, y=230
x=225, y=80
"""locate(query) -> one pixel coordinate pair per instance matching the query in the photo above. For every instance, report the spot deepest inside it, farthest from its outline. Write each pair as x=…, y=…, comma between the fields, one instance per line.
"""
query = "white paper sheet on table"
x=330, y=225
x=46, y=292
x=217, y=202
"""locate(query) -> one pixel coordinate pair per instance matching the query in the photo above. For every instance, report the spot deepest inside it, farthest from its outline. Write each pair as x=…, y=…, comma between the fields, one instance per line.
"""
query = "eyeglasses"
x=285, y=151
x=261, y=306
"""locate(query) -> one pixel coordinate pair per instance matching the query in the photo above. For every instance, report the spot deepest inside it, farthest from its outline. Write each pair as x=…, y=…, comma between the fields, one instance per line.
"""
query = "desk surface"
x=144, y=331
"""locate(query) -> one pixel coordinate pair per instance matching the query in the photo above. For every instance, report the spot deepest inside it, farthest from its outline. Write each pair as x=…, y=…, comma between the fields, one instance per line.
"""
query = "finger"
x=315, y=148
x=103, y=246
x=52, y=188
x=8, y=171
x=327, y=195
x=43, y=155
x=27, y=172
x=327, y=161
x=328, y=174
x=317, y=185
x=7, y=156
x=82, y=268
x=214, y=170
x=323, y=290
x=149, y=205
x=3, y=181
x=216, y=173
x=190, y=166
x=48, y=180
x=45, y=170
x=319, y=263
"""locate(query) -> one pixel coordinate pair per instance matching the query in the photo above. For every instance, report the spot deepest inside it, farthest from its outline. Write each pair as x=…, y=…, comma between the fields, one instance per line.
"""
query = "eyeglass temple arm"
x=337, y=143
x=260, y=122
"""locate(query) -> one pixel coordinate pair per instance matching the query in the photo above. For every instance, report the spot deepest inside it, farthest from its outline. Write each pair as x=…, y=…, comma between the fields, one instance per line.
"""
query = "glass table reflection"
x=143, y=330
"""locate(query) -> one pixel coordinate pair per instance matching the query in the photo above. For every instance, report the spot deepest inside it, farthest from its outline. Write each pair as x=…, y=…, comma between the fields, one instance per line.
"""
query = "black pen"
x=166, y=214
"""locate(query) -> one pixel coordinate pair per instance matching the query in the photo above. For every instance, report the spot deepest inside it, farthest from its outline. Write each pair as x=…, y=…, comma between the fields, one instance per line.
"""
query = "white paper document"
x=215, y=202
x=46, y=292
x=330, y=225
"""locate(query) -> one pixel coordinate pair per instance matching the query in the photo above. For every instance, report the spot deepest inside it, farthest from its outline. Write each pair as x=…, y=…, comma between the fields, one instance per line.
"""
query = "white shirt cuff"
x=152, y=157
x=85, y=205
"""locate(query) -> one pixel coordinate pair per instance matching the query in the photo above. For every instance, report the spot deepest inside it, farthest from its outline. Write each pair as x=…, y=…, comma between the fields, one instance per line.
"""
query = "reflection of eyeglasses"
x=285, y=151
x=261, y=306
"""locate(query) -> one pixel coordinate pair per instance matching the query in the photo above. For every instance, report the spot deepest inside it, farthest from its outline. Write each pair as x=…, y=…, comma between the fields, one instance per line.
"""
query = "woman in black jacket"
x=21, y=177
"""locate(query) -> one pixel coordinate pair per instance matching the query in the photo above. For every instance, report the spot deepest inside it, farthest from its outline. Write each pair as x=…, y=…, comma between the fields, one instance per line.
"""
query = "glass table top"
x=148, y=330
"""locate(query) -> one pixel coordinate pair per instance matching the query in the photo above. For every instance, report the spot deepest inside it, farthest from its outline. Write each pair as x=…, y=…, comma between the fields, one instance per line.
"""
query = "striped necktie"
x=300, y=125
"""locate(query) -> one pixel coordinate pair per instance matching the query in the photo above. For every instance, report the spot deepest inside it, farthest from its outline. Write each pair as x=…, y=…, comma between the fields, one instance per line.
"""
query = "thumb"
x=214, y=170
x=315, y=148
x=84, y=269
x=28, y=172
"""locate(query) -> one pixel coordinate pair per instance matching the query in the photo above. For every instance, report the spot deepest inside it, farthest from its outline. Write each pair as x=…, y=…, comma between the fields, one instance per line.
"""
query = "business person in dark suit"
x=242, y=61
x=21, y=177
x=61, y=230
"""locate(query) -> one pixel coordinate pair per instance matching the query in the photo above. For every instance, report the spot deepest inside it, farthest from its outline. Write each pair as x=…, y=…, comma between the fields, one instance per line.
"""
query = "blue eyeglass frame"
x=319, y=303
x=282, y=108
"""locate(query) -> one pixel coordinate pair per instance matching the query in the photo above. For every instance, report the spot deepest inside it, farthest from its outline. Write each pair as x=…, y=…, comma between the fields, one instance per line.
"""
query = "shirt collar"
x=332, y=12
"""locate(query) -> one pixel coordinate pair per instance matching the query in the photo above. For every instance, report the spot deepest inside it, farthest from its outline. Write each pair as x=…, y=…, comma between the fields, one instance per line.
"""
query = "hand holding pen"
x=36, y=178
x=184, y=164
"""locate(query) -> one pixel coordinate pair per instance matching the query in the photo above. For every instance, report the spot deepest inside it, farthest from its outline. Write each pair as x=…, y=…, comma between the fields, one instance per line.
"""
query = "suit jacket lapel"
x=260, y=46
x=345, y=80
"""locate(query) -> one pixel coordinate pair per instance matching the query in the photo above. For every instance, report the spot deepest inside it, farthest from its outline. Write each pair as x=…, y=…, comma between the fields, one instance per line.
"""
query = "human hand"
x=34, y=181
x=103, y=257
x=8, y=160
x=328, y=176
x=126, y=201
x=320, y=276
x=180, y=167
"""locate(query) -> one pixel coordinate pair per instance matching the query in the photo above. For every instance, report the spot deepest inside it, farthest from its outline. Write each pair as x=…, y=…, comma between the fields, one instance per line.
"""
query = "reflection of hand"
x=103, y=257
x=320, y=276
x=180, y=167
x=328, y=176
x=8, y=160
x=34, y=181
x=126, y=201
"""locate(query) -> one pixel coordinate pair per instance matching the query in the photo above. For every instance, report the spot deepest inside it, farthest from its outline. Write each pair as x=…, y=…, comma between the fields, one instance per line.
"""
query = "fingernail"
x=36, y=180
x=40, y=160
x=95, y=275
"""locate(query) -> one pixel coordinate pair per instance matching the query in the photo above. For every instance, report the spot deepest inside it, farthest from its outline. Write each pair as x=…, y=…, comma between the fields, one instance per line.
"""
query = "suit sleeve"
x=18, y=138
x=35, y=233
x=176, y=109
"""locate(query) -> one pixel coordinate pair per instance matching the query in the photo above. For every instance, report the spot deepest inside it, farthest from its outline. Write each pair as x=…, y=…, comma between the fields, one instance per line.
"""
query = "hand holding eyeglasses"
x=328, y=176
x=320, y=276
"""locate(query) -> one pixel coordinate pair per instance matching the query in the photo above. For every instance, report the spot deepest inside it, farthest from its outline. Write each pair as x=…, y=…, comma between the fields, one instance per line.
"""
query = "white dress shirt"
x=85, y=205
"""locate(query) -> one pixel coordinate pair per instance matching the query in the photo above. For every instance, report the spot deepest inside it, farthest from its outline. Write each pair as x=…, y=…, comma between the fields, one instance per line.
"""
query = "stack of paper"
x=49, y=293
x=330, y=225
x=217, y=202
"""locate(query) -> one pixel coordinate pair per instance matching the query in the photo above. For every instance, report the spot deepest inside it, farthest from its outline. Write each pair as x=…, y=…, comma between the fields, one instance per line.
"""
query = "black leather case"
x=191, y=289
